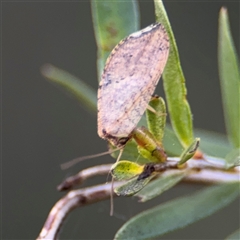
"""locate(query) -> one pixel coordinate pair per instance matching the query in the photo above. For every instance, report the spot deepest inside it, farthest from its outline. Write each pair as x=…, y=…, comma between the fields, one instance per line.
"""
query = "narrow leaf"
x=112, y=21
x=234, y=236
x=72, y=85
x=132, y=186
x=178, y=213
x=229, y=73
x=164, y=182
x=174, y=85
x=189, y=152
x=233, y=159
x=125, y=170
x=157, y=120
x=171, y=143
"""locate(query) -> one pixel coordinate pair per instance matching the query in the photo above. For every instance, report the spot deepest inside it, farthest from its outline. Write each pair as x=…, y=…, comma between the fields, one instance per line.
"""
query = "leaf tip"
x=223, y=10
x=46, y=70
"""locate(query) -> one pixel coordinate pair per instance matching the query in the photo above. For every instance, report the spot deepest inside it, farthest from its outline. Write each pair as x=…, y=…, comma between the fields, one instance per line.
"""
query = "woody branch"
x=207, y=170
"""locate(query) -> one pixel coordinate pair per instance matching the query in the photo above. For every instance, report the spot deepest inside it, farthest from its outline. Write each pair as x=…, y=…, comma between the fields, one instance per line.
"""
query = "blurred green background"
x=42, y=127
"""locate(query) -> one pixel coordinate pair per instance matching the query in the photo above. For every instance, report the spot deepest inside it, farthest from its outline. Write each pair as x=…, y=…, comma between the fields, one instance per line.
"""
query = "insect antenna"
x=74, y=161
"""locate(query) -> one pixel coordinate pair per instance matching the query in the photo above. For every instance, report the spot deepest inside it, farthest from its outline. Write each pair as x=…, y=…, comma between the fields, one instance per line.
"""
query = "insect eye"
x=123, y=141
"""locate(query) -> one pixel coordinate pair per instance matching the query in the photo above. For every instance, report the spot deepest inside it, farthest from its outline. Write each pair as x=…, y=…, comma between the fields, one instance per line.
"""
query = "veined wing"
x=130, y=76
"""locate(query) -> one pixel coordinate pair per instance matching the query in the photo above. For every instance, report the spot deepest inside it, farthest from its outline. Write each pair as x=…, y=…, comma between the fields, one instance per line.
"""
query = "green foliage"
x=157, y=120
x=77, y=88
x=125, y=170
x=233, y=159
x=114, y=20
x=162, y=219
x=132, y=186
x=229, y=73
x=189, y=151
x=174, y=85
x=235, y=235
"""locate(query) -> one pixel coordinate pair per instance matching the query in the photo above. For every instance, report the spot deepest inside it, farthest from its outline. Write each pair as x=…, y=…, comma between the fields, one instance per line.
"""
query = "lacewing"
x=128, y=81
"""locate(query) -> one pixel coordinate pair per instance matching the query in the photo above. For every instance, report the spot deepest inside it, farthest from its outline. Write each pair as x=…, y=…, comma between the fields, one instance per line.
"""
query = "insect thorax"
x=116, y=141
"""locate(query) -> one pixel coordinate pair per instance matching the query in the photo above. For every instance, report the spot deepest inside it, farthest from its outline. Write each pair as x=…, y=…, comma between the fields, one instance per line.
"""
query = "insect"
x=149, y=145
x=128, y=81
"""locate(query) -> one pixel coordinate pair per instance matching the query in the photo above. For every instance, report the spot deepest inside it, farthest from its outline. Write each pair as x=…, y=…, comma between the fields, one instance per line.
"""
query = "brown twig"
x=83, y=175
x=207, y=172
x=74, y=199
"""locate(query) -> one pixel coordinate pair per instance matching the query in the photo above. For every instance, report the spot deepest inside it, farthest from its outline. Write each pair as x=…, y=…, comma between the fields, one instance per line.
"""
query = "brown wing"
x=129, y=79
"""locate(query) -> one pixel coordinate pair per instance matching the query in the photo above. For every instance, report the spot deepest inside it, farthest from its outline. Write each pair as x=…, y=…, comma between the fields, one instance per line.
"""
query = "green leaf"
x=189, y=209
x=157, y=120
x=125, y=169
x=233, y=159
x=171, y=144
x=234, y=236
x=112, y=21
x=133, y=186
x=212, y=143
x=189, y=152
x=174, y=85
x=229, y=73
x=164, y=182
x=72, y=85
